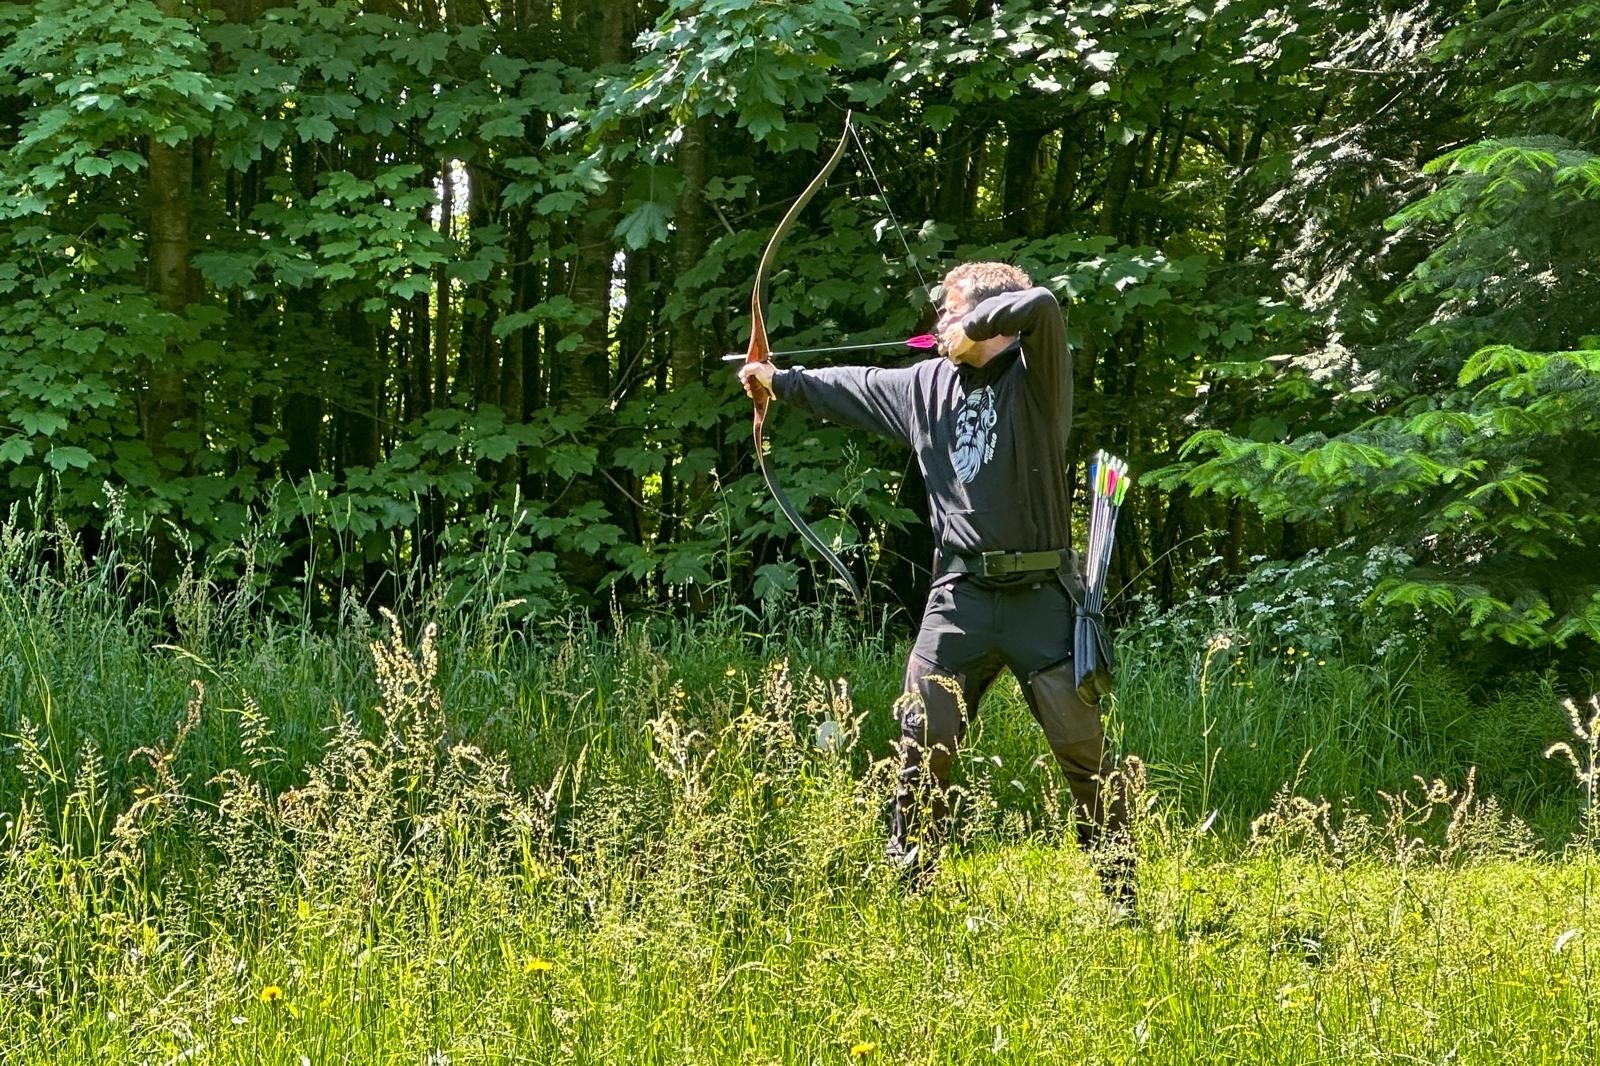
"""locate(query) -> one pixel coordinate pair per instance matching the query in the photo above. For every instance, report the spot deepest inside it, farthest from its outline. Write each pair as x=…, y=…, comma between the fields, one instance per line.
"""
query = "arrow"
x=921, y=340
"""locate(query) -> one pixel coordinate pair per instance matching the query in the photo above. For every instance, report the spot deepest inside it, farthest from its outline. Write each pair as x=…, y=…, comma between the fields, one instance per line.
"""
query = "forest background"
x=323, y=309
x=344, y=300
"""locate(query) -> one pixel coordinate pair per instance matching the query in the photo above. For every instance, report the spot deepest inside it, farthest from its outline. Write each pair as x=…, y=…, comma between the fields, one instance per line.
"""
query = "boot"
x=1115, y=865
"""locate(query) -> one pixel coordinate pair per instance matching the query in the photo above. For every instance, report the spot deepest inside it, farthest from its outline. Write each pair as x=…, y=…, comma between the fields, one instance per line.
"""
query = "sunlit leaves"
x=754, y=62
x=99, y=72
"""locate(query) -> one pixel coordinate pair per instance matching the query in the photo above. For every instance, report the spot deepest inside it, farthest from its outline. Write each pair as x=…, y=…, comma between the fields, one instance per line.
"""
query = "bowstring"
x=911, y=257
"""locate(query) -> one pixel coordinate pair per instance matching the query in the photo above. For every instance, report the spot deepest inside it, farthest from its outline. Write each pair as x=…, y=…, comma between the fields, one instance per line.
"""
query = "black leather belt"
x=1001, y=564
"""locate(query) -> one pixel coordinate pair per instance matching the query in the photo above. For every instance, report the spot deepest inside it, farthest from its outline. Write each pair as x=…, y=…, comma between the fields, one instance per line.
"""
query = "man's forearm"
x=867, y=398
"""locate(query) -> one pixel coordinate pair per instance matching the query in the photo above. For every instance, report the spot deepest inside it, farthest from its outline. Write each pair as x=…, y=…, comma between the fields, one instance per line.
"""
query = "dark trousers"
x=969, y=633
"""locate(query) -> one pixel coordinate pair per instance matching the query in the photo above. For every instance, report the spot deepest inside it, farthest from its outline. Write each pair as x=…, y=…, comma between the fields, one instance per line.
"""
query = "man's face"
x=952, y=310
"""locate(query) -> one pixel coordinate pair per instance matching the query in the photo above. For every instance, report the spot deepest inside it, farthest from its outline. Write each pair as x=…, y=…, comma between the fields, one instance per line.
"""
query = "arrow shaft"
x=844, y=348
x=911, y=342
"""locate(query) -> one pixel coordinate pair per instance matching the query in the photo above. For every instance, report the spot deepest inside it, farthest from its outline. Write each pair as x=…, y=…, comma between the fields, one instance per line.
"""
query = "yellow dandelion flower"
x=537, y=965
x=863, y=1049
x=270, y=994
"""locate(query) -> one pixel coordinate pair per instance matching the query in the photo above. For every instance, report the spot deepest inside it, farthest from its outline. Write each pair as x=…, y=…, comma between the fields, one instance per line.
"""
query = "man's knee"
x=926, y=741
x=1077, y=739
x=932, y=712
x=1072, y=727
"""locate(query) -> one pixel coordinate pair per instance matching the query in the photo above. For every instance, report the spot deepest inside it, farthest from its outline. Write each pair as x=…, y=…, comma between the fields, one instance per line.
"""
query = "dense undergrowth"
x=451, y=838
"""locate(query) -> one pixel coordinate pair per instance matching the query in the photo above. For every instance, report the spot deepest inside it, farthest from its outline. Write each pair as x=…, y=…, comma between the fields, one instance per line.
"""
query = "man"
x=988, y=419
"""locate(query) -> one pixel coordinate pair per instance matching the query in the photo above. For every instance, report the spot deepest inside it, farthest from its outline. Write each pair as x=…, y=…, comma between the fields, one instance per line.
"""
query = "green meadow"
x=457, y=838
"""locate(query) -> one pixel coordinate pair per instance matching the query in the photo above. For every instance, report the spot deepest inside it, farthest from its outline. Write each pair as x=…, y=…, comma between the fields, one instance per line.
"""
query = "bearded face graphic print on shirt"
x=975, y=433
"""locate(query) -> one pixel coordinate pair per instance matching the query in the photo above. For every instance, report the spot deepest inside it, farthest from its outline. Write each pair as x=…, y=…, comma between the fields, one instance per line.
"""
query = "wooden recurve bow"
x=760, y=351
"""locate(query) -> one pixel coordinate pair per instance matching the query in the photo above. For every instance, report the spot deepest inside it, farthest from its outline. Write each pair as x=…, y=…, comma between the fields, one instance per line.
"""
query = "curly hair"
x=979, y=281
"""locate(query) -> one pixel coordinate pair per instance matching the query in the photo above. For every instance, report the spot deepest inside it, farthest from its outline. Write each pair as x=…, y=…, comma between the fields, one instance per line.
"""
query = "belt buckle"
x=996, y=564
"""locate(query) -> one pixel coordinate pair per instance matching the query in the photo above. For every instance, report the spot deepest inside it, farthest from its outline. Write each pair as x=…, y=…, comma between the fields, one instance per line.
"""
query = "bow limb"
x=760, y=351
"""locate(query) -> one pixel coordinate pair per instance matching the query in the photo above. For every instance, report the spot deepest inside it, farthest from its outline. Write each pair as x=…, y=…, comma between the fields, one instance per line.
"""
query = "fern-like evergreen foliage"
x=1472, y=441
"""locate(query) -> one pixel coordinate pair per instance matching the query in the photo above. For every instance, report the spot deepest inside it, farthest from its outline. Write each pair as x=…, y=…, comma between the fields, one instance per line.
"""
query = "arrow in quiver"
x=1091, y=642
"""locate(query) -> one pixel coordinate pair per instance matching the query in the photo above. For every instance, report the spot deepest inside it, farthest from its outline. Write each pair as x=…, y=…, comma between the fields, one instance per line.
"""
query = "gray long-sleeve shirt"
x=991, y=440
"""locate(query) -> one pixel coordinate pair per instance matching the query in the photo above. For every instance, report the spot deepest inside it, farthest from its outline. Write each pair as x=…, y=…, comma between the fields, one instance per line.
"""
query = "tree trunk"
x=583, y=377
x=480, y=348
x=960, y=171
x=441, y=289
x=1063, y=196
x=169, y=411
x=170, y=408
x=523, y=282
x=1021, y=216
x=688, y=358
x=1118, y=181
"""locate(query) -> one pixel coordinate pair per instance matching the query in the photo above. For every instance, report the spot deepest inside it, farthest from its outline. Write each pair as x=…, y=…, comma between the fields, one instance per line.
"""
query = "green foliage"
x=459, y=284
x=347, y=338
x=1471, y=446
x=540, y=841
x=95, y=79
x=1503, y=529
x=1316, y=662
x=754, y=62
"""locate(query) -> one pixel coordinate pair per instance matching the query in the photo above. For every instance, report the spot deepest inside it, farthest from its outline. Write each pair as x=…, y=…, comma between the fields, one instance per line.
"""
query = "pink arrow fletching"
x=922, y=340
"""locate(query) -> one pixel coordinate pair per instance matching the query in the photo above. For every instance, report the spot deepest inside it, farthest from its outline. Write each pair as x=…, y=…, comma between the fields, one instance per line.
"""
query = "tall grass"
x=463, y=840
